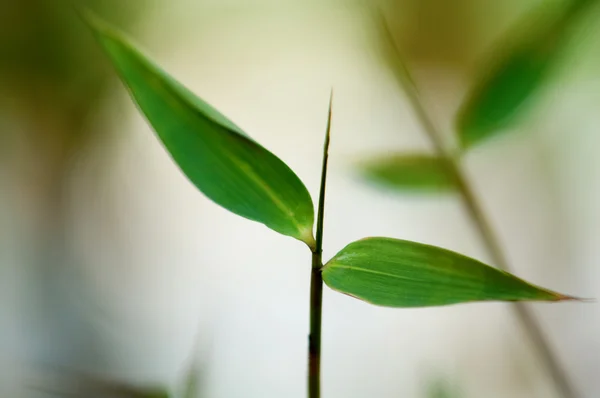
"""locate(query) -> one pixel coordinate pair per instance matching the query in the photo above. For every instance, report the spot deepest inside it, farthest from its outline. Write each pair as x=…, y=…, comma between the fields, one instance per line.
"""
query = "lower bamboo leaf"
x=420, y=173
x=398, y=273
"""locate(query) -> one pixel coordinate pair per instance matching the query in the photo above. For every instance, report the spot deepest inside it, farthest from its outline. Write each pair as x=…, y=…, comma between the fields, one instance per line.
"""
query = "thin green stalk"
x=316, y=282
x=314, y=339
x=483, y=226
x=491, y=243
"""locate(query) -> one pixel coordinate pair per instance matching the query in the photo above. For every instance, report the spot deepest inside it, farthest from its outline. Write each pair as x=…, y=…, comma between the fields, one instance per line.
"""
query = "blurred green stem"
x=480, y=222
x=489, y=239
x=316, y=281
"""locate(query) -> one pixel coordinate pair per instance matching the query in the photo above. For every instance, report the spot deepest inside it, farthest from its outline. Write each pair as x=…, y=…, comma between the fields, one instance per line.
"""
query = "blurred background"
x=115, y=272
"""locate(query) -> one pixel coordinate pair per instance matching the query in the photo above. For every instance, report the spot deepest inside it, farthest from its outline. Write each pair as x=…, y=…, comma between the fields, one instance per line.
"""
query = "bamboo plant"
x=239, y=174
x=516, y=72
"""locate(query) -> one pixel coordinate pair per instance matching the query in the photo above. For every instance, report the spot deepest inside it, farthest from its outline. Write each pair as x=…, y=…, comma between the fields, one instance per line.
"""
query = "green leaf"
x=411, y=172
x=442, y=389
x=216, y=155
x=192, y=381
x=157, y=394
x=95, y=387
x=518, y=70
x=398, y=273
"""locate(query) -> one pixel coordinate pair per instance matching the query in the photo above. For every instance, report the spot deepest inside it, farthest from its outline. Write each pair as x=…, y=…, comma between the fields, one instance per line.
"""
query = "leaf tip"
x=564, y=297
x=560, y=297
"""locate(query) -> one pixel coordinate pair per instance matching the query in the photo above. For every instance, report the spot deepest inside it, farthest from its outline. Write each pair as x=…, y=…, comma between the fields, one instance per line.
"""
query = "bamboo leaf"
x=398, y=273
x=95, y=387
x=515, y=74
x=216, y=155
x=410, y=172
x=192, y=382
x=442, y=389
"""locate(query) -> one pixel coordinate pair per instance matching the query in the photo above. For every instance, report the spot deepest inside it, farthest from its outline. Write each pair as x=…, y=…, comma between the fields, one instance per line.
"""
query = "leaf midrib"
x=370, y=271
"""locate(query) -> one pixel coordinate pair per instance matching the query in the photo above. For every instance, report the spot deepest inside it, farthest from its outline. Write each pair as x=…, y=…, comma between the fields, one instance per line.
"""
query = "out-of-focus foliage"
x=98, y=388
x=442, y=389
x=517, y=70
x=219, y=159
x=51, y=84
x=49, y=69
x=412, y=172
x=43, y=40
x=79, y=385
x=192, y=383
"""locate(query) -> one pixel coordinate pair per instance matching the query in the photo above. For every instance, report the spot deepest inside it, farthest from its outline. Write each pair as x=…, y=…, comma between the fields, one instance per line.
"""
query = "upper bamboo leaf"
x=397, y=273
x=411, y=172
x=516, y=73
x=216, y=155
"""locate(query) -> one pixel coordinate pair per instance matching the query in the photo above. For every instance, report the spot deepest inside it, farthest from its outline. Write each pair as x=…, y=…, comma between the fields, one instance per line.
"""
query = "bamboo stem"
x=316, y=282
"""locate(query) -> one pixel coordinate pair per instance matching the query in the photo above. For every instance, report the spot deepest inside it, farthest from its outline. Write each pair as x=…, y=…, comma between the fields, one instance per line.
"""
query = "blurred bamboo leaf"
x=410, y=172
x=191, y=387
x=398, y=273
x=50, y=73
x=226, y=165
x=192, y=381
x=149, y=394
x=441, y=389
x=516, y=73
x=89, y=386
